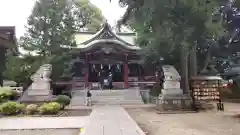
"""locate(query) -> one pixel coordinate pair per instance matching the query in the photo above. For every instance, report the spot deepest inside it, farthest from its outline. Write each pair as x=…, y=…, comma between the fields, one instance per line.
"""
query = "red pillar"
x=126, y=73
x=86, y=71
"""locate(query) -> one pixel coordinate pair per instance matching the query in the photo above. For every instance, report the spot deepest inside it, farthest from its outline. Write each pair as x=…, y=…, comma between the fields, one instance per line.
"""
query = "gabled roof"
x=106, y=35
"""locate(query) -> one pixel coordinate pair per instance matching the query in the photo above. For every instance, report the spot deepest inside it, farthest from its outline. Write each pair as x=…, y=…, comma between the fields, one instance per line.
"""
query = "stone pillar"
x=86, y=71
x=126, y=73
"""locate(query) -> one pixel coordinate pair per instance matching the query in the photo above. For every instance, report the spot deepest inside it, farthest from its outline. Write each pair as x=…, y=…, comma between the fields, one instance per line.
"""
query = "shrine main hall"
x=104, y=52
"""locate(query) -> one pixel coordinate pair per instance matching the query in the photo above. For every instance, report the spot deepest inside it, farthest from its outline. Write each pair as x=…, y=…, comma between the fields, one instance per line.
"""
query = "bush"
x=31, y=109
x=6, y=93
x=11, y=108
x=63, y=100
x=14, y=95
x=50, y=108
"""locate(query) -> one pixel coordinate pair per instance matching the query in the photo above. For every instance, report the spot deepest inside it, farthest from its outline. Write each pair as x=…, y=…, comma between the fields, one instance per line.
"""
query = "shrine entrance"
x=100, y=71
x=103, y=53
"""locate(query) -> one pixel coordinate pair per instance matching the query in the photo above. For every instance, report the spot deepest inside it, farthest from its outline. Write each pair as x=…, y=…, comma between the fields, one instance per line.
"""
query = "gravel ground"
x=203, y=123
x=42, y=132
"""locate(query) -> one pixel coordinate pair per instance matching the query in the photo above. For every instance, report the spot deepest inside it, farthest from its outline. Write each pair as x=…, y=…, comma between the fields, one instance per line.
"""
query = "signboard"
x=206, y=89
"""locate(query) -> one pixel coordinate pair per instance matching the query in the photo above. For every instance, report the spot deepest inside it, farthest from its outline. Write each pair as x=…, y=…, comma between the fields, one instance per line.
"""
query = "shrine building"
x=7, y=42
x=107, y=51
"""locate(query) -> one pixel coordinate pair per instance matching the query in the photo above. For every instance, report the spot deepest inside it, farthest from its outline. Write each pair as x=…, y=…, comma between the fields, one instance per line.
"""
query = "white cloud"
x=16, y=12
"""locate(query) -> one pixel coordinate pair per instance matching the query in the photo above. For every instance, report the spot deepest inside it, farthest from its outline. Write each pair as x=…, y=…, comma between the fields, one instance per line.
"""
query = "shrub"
x=50, y=108
x=14, y=95
x=6, y=93
x=11, y=108
x=31, y=109
x=63, y=100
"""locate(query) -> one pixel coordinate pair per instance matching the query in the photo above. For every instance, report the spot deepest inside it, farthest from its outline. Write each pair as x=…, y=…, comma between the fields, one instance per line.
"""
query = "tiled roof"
x=106, y=35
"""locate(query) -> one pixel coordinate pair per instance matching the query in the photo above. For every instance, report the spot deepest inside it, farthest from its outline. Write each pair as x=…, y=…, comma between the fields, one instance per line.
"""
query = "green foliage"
x=20, y=68
x=50, y=33
x=92, y=15
x=6, y=93
x=50, y=108
x=164, y=27
x=11, y=108
x=63, y=100
x=31, y=109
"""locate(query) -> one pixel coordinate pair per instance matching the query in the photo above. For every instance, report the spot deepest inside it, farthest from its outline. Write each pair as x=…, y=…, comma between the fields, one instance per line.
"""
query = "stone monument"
x=172, y=97
x=40, y=89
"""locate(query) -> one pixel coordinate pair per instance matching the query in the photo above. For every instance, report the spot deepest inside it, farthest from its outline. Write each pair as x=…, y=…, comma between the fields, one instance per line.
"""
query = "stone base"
x=36, y=99
x=174, y=103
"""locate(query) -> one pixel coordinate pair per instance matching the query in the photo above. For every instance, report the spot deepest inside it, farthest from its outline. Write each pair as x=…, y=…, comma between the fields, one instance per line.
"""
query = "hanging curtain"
x=118, y=68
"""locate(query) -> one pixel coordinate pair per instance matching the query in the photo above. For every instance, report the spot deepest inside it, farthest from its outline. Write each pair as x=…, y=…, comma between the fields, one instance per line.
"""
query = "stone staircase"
x=39, y=90
x=106, y=97
x=78, y=83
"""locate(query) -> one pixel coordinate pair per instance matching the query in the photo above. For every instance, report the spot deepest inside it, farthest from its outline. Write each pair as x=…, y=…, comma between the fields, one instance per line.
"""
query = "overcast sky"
x=16, y=12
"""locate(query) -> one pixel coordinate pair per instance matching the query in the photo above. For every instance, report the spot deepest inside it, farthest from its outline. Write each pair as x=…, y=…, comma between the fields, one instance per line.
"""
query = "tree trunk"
x=184, y=70
x=193, y=61
x=2, y=63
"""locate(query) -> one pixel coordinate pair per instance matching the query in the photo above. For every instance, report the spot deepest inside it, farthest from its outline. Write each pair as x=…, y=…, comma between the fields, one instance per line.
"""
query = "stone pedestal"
x=174, y=103
x=172, y=97
x=40, y=89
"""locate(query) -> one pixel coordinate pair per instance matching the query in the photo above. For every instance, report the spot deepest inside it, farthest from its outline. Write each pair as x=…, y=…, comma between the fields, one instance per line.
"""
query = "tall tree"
x=50, y=26
x=51, y=32
x=92, y=15
x=166, y=27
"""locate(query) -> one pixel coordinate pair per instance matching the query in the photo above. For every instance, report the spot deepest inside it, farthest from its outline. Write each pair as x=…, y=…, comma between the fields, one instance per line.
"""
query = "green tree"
x=173, y=28
x=92, y=15
x=20, y=68
x=52, y=25
x=166, y=26
x=51, y=31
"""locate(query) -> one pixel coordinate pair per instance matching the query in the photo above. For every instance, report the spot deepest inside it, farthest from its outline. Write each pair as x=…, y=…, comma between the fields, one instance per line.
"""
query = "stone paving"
x=42, y=132
x=203, y=123
x=110, y=120
x=42, y=122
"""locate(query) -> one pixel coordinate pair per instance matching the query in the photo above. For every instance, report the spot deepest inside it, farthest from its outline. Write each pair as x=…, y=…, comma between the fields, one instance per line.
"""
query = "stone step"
x=106, y=97
x=38, y=93
x=116, y=103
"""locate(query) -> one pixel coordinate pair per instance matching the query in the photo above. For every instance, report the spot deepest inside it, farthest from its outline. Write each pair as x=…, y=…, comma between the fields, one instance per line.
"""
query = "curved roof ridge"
x=105, y=29
x=111, y=41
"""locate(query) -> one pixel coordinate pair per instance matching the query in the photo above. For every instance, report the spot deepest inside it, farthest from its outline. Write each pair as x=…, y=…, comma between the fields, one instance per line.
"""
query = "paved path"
x=41, y=132
x=203, y=123
x=124, y=106
x=42, y=122
x=110, y=120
